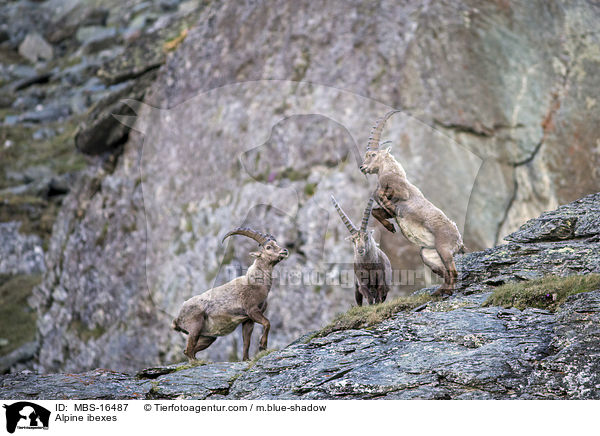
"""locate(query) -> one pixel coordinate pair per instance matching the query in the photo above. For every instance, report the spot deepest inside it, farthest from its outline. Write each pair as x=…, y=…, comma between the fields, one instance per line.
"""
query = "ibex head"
x=269, y=250
x=361, y=238
x=375, y=156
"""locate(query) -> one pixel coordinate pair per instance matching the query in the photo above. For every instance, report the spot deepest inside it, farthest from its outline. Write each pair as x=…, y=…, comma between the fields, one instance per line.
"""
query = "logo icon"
x=26, y=415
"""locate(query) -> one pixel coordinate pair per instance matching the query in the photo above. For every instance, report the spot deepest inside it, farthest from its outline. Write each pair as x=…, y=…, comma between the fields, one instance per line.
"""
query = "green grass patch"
x=293, y=174
x=58, y=153
x=17, y=319
x=85, y=332
x=259, y=356
x=546, y=293
x=190, y=365
x=101, y=239
x=310, y=189
x=365, y=316
x=36, y=215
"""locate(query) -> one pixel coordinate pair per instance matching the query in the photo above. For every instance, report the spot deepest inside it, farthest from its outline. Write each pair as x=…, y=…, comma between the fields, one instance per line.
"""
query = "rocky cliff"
x=254, y=114
x=64, y=66
x=463, y=347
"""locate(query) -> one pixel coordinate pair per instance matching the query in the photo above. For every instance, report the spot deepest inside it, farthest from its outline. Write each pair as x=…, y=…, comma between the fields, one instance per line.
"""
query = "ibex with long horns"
x=419, y=220
x=218, y=311
x=372, y=268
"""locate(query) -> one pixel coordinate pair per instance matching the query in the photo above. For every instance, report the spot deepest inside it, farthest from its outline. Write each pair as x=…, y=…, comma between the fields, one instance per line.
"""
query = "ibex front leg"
x=257, y=316
x=382, y=216
x=247, y=328
x=193, y=336
x=382, y=198
x=385, y=211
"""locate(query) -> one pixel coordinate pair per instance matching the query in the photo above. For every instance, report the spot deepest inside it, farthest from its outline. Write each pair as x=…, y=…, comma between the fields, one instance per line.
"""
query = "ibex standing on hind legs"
x=372, y=268
x=218, y=311
x=419, y=220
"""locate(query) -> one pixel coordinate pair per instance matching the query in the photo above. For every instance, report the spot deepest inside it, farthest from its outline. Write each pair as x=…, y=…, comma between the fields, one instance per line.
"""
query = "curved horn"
x=261, y=238
x=366, y=215
x=343, y=216
x=373, y=143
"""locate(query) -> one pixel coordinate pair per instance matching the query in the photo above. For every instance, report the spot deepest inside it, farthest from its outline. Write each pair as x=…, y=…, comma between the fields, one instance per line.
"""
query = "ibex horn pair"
x=261, y=238
x=373, y=143
x=346, y=220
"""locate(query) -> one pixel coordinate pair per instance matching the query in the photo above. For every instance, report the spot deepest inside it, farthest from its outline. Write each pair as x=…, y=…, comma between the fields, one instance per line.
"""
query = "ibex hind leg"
x=194, y=335
x=203, y=343
x=358, y=296
x=247, y=328
x=450, y=278
x=432, y=259
x=364, y=293
x=382, y=292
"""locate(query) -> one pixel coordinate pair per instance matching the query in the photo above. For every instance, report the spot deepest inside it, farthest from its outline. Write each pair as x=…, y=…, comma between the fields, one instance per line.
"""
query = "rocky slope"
x=265, y=109
x=453, y=349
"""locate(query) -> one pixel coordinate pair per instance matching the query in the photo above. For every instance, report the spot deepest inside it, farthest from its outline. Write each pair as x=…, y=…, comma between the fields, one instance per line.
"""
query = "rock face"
x=265, y=113
x=65, y=66
x=466, y=353
x=453, y=349
x=34, y=47
x=504, y=86
x=562, y=242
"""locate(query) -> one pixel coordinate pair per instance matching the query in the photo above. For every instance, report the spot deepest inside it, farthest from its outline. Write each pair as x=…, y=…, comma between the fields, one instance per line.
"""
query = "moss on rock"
x=365, y=316
x=57, y=153
x=546, y=293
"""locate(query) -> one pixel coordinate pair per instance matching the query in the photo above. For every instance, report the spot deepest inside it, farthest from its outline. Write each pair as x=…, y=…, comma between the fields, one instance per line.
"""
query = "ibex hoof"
x=190, y=358
x=390, y=227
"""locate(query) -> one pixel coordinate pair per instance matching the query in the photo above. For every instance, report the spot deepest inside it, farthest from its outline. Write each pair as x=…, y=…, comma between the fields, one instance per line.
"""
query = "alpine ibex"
x=218, y=311
x=372, y=268
x=419, y=220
